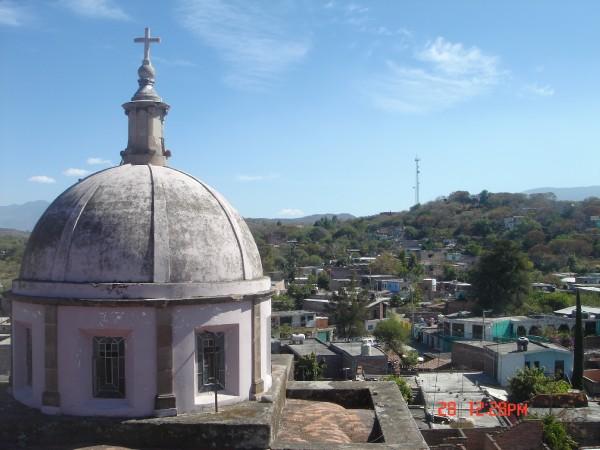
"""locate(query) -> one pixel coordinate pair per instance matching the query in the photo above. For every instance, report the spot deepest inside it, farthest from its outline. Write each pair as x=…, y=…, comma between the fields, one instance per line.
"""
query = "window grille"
x=109, y=367
x=210, y=362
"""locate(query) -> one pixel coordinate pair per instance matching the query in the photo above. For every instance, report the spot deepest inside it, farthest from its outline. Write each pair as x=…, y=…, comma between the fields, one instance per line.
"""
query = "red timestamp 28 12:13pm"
x=495, y=409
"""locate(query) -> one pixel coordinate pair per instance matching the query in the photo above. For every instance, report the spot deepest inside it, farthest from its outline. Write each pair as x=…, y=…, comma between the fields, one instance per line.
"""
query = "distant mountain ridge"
x=19, y=218
x=306, y=220
x=22, y=217
x=578, y=193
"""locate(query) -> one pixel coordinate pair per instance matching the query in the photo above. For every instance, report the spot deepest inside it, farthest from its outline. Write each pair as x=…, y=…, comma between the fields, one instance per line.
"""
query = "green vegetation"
x=348, y=312
x=402, y=385
x=411, y=358
x=393, y=333
x=282, y=302
x=553, y=235
x=308, y=368
x=12, y=247
x=501, y=279
x=556, y=436
x=528, y=382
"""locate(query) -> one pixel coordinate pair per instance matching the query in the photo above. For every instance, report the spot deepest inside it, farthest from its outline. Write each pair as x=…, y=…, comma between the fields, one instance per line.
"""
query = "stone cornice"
x=148, y=302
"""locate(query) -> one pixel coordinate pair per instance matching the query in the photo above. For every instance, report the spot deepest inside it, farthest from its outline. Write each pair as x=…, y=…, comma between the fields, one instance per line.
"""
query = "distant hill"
x=306, y=220
x=22, y=217
x=570, y=193
x=13, y=233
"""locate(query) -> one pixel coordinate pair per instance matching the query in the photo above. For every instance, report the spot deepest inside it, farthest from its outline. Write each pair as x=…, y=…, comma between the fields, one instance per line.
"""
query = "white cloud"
x=247, y=178
x=251, y=39
x=442, y=75
x=290, y=212
x=41, y=179
x=541, y=91
x=353, y=8
x=72, y=172
x=12, y=14
x=99, y=9
x=98, y=161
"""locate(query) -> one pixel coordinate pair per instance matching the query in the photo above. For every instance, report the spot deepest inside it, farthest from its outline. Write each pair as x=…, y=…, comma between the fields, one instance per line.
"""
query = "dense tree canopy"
x=501, y=279
x=393, y=333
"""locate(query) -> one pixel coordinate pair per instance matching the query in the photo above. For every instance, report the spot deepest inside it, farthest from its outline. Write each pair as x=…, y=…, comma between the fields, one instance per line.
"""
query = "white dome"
x=140, y=224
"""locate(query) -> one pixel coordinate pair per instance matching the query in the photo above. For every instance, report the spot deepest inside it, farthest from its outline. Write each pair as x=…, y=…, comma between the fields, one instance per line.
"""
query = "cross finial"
x=147, y=40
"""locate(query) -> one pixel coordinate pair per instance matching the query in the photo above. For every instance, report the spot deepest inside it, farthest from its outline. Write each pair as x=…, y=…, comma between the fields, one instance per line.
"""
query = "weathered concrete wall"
x=246, y=425
x=525, y=435
x=395, y=421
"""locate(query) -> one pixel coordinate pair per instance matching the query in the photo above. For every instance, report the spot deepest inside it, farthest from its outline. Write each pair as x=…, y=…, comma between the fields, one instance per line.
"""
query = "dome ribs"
x=160, y=231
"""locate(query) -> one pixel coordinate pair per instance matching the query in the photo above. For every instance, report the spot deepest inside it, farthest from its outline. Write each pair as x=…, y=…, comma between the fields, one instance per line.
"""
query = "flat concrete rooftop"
x=311, y=346
x=458, y=388
x=354, y=348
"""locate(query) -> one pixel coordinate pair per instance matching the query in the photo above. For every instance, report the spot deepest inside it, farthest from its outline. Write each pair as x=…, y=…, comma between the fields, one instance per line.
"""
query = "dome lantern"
x=146, y=113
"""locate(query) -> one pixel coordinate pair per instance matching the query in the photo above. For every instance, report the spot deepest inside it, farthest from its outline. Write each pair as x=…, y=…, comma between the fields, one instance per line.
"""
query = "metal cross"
x=147, y=40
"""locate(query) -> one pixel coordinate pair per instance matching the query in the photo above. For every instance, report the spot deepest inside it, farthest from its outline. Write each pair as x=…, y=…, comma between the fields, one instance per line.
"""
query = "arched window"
x=210, y=361
x=108, y=367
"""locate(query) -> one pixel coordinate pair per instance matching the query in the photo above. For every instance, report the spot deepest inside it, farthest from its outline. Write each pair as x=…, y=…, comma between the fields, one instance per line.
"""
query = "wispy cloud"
x=251, y=39
x=540, y=91
x=442, y=75
x=177, y=62
x=12, y=14
x=72, y=172
x=44, y=179
x=290, y=212
x=248, y=178
x=99, y=9
x=94, y=161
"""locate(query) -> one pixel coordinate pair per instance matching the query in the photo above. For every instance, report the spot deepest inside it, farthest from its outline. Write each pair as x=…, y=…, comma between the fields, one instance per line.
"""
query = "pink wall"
x=265, y=342
x=227, y=317
x=76, y=327
x=28, y=315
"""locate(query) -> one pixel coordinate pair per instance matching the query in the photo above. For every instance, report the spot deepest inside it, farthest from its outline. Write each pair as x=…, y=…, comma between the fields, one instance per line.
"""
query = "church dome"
x=141, y=224
x=141, y=230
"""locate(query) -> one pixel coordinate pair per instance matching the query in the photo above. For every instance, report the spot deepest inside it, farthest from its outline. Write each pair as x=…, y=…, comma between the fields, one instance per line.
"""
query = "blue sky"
x=298, y=107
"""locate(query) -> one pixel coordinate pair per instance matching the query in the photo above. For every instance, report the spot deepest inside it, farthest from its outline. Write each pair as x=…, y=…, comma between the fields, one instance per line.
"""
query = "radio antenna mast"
x=417, y=183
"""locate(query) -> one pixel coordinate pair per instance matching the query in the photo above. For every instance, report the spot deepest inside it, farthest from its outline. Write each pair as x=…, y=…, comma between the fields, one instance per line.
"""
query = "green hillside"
x=555, y=235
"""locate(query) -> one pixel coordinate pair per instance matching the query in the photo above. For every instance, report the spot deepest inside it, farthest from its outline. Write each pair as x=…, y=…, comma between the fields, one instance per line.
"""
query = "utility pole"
x=417, y=183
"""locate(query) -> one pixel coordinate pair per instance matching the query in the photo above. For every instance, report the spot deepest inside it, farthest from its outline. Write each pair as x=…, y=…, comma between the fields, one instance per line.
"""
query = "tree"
x=449, y=273
x=393, y=333
x=323, y=280
x=349, y=313
x=282, y=303
x=386, y=263
x=411, y=359
x=405, y=389
x=528, y=382
x=577, y=379
x=298, y=292
x=308, y=368
x=501, y=278
x=555, y=434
